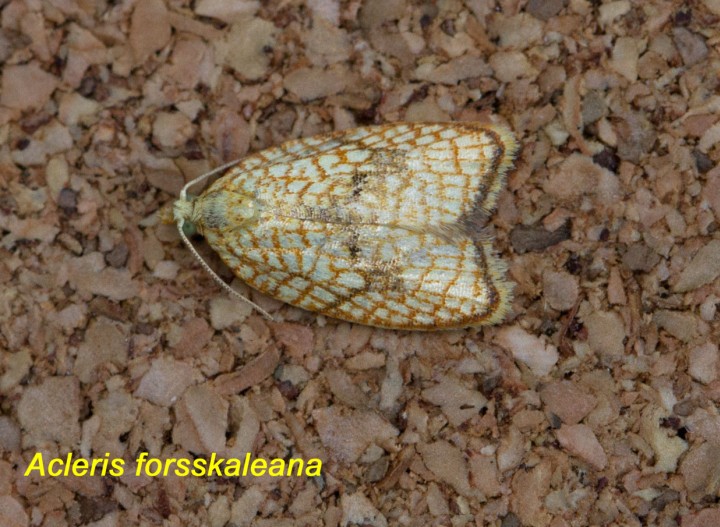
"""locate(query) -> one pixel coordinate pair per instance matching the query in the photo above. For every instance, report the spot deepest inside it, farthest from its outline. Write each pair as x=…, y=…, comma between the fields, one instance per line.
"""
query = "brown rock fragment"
x=12, y=513
x=231, y=133
x=484, y=475
x=701, y=469
x=115, y=415
x=226, y=11
x=640, y=257
x=26, y=87
x=448, y=464
x=615, y=289
x=606, y=334
x=118, y=256
x=165, y=381
x=529, y=490
x=357, y=509
x=567, y=401
x=171, y=129
x=691, y=46
x=711, y=191
x=702, y=269
x=297, y=339
x=593, y=108
x=191, y=338
x=347, y=434
x=525, y=238
x=560, y=290
x=44, y=416
x=13, y=369
x=437, y=504
x=458, y=402
x=105, y=343
x=245, y=47
x=667, y=447
x=708, y=517
x=149, y=28
x=545, y=9
x=227, y=312
x=252, y=374
x=529, y=349
x=625, y=55
x=511, y=65
x=704, y=361
x=9, y=434
x=680, y=324
x=201, y=420
x=88, y=274
x=580, y=441
x=637, y=136
x=578, y=175
x=713, y=6
x=342, y=387
x=314, y=83
x=460, y=68
x=376, y=12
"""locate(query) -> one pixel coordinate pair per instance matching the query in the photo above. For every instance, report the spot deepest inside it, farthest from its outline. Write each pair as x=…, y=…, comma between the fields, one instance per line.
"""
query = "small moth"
x=379, y=225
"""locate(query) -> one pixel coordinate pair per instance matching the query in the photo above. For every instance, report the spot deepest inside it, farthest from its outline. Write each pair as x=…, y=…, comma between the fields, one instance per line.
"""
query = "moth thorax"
x=219, y=210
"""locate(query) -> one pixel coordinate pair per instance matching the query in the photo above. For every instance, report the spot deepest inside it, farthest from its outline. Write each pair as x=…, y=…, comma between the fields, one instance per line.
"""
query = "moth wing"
x=377, y=275
x=463, y=163
x=437, y=177
x=289, y=151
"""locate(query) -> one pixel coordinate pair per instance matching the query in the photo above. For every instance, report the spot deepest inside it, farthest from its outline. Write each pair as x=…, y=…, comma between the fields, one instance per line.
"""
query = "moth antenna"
x=180, y=224
x=203, y=177
x=214, y=275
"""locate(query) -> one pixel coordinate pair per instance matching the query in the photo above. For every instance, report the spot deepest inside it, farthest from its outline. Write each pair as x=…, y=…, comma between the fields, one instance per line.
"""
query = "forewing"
x=423, y=177
x=377, y=275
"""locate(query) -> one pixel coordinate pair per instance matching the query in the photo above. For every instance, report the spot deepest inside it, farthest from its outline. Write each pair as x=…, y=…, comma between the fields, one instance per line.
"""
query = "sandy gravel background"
x=595, y=403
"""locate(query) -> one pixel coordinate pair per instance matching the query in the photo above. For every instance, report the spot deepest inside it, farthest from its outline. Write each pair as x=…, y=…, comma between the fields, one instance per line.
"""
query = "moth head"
x=183, y=211
x=180, y=213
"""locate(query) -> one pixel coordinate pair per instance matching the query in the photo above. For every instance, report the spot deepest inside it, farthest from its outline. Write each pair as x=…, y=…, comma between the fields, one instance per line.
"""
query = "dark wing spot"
x=389, y=162
x=352, y=245
x=358, y=182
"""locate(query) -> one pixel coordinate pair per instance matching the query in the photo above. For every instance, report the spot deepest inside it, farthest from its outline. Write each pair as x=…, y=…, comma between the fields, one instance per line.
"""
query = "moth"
x=378, y=225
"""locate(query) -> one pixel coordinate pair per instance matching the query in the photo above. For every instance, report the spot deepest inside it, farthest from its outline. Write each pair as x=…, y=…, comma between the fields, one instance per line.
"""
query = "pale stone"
x=166, y=380
x=702, y=269
x=528, y=349
x=704, y=362
x=26, y=86
x=580, y=441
